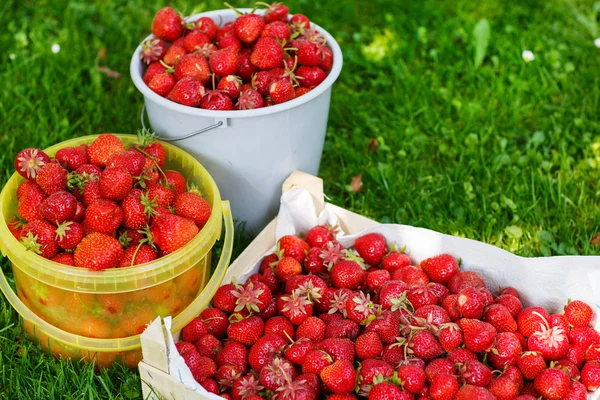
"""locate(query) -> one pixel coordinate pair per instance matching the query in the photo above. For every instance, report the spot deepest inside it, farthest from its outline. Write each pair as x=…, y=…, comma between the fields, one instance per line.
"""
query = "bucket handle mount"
x=183, y=137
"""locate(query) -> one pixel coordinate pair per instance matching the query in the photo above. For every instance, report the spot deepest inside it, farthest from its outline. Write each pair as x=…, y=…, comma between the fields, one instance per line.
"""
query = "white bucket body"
x=253, y=151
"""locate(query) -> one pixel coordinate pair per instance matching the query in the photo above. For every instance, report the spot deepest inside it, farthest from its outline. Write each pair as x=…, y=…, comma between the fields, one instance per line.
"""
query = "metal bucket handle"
x=178, y=138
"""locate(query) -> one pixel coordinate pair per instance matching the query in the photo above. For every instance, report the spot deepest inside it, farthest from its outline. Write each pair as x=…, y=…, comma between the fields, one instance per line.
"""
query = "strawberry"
x=315, y=361
x=360, y=308
x=443, y=387
x=439, y=366
x=194, y=330
x=137, y=255
x=115, y=183
x=296, y=307
x=567, y=366
x=287, y=267
x=281, y=91
x=187, y=91
x=300, y=23
x=531, y=363
x=130, y=237
x=338, y=348
x=590, y=375
x=264, y=350
x=342, y=328
x=298, y=350
x=584, y=336
x=153, y=50
x=246, y=387
x=16, y=227
x=411, y=275
x=195, y=40
x=208, y=346
x=58, y=207
x=65, y=259
x=210, y=385
x=327, y=59
x=348, y=273
x=470, y=303
x=230, y=85
x=440, y=291
x=300, y=91
x=506, y=350
x=253, y=296
x=193, y=66
x=51, y=178
x=276, y=12
x=530, y=319
x=577, y=391
x=29, y=162
x=97, y=252
x=167, y=24
x=450, y=336
x=235, y=354
x=39, y=237
x=280, y=325
x=245, y=67
x=137, y=209
x=499, y=316
x=310, y=286
x=420, y=296
x=216, y=321
x=479, y=336
x=368, y=345
x=193, y=206
x=412, y=377
x=249, y=100
x=578, y=313
x=461, y=355
x=473, y=372
x=226, y=297
x=216, y=100
x=173, y=55
x=278, y=30
x=575, y=354
x=503, y=388
x=372, y=371
x=247, y=27
x=441, y=268
x=103, y=216
x=153, y=69
x=72, y=158
x=552, y=343
x=175, y=181
x=261, y=81
x=309, y=53
x=376, y=279
x=230, y=41
x=371, y=248
x=386, y=391
x=462, y=279
x=162, y=84
x=130, y=160
x=552, y=384
x=69, y=234
x=206, y=26
x=392, y=295
x=102, y=148
x=276, y=373
x=91, y=193
x=247, y=330
x=267, y=53
x=200, y=366
x=470, y=392
x=171, y=232
x=339, y=377
x=224, y=62
x=424, y=345
x=450, y=304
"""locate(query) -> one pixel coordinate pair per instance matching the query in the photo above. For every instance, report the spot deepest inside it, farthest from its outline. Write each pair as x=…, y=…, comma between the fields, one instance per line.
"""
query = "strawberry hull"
x=576, y=277
x=99, y=315
x=248, y=152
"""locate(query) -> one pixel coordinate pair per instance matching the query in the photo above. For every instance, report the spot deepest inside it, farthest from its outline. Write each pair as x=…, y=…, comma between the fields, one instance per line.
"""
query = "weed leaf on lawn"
x=481, y=33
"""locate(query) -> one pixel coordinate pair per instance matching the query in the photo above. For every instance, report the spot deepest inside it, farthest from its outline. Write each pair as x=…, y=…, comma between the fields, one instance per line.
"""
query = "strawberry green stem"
x=238, y=12
x=153, y=160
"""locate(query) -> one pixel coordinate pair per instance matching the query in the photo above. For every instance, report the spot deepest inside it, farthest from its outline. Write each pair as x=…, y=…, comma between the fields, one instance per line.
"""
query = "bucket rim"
x=136, y=76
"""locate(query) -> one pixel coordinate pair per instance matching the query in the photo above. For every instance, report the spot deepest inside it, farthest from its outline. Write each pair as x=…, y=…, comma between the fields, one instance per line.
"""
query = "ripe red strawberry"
x=296, y=307
x=342, y=328
x=230, y=41
x=200, y=366
x=167, y=24
x=267, y=54
x=261, y=81
x=463, y=279
x=175, y=181
x=293, y=246
x=208, y=346
x=278, y=30
x=372, y=371
x=132, y=161
x=371, y=248
x=162, y=84
x=473, y=372
x=309, y=53
x=470, y=392
x=552, y=343
x=578, y=313
x=531, y=319
x=280, y=325
x=65, y=259
x=194, y=330
x=439, y=366
x=210, y=385
x=97, y=252
x=287, y=267
x=506, y=350
x=103, y=216
x=450, y=304
x=246, y=387
x=425, y=346
x=216, y=321
x=552, y=384
x=461, y=355
x=584, y=336
x=531, y=363
x=58, y=207
x=339, y=377
x=499, y=316
x=575, y=354
x=392, y=295
x=207, y=26
x=130, y=237
x=72, y=158
x=69, y=234
x=567, y=366
x=102, y=148
x=252, y=296
x=412, y=275
x=230, y=85
x=470, y=303
x=195, y=40
x=249, y=100
x=245, y=67
x=216, y=100
x=143, y=253
x=412, y=377
x=348, y=274
x=300, y=23
x=137, y=209
x=503, y=388
x=590, y=375
x=247, y=330
x=300, y=91
x=276, y=373
x=28, y=162
x=360, y=308
x=153, y=69
x=310, y=76
x=225, y=298
x=440, y=268
x=247, y=27
x=52, y=178
x=172, y=232
x=276, y=12
x=320, y=235
x=443, y=387
x=115, y=183
x=39, y=237
x=327, y=61
x=224, y=31
x=513, y=304
x=193, y=66
x=479, y=336
x=315, y=361
x=338, y=348
x=377, y=278
x=187, y=91
x=174, y=55
x=281, y=90
x=264, y=350
x=577, y=391
x=16, y=227
x=224, y=62
x=298, y=350
x=91, y=193
x=368, y=345
x=153, y=50
x=450, y=336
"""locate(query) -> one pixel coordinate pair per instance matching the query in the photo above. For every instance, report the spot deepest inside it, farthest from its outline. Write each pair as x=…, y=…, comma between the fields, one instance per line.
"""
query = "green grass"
x=507, y=152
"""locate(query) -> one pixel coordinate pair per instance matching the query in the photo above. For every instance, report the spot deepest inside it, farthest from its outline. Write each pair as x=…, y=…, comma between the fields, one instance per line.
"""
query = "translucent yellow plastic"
x=98, y=315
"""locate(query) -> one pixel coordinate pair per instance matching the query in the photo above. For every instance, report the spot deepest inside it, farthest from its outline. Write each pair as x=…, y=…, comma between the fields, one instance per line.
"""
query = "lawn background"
x=505, y=152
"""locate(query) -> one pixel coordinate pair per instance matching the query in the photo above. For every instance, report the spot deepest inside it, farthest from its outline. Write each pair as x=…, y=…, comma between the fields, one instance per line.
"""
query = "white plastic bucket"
x=249, y=153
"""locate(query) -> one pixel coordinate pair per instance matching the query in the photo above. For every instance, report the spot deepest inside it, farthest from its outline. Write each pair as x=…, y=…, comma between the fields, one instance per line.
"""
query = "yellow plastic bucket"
x=98, y=315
